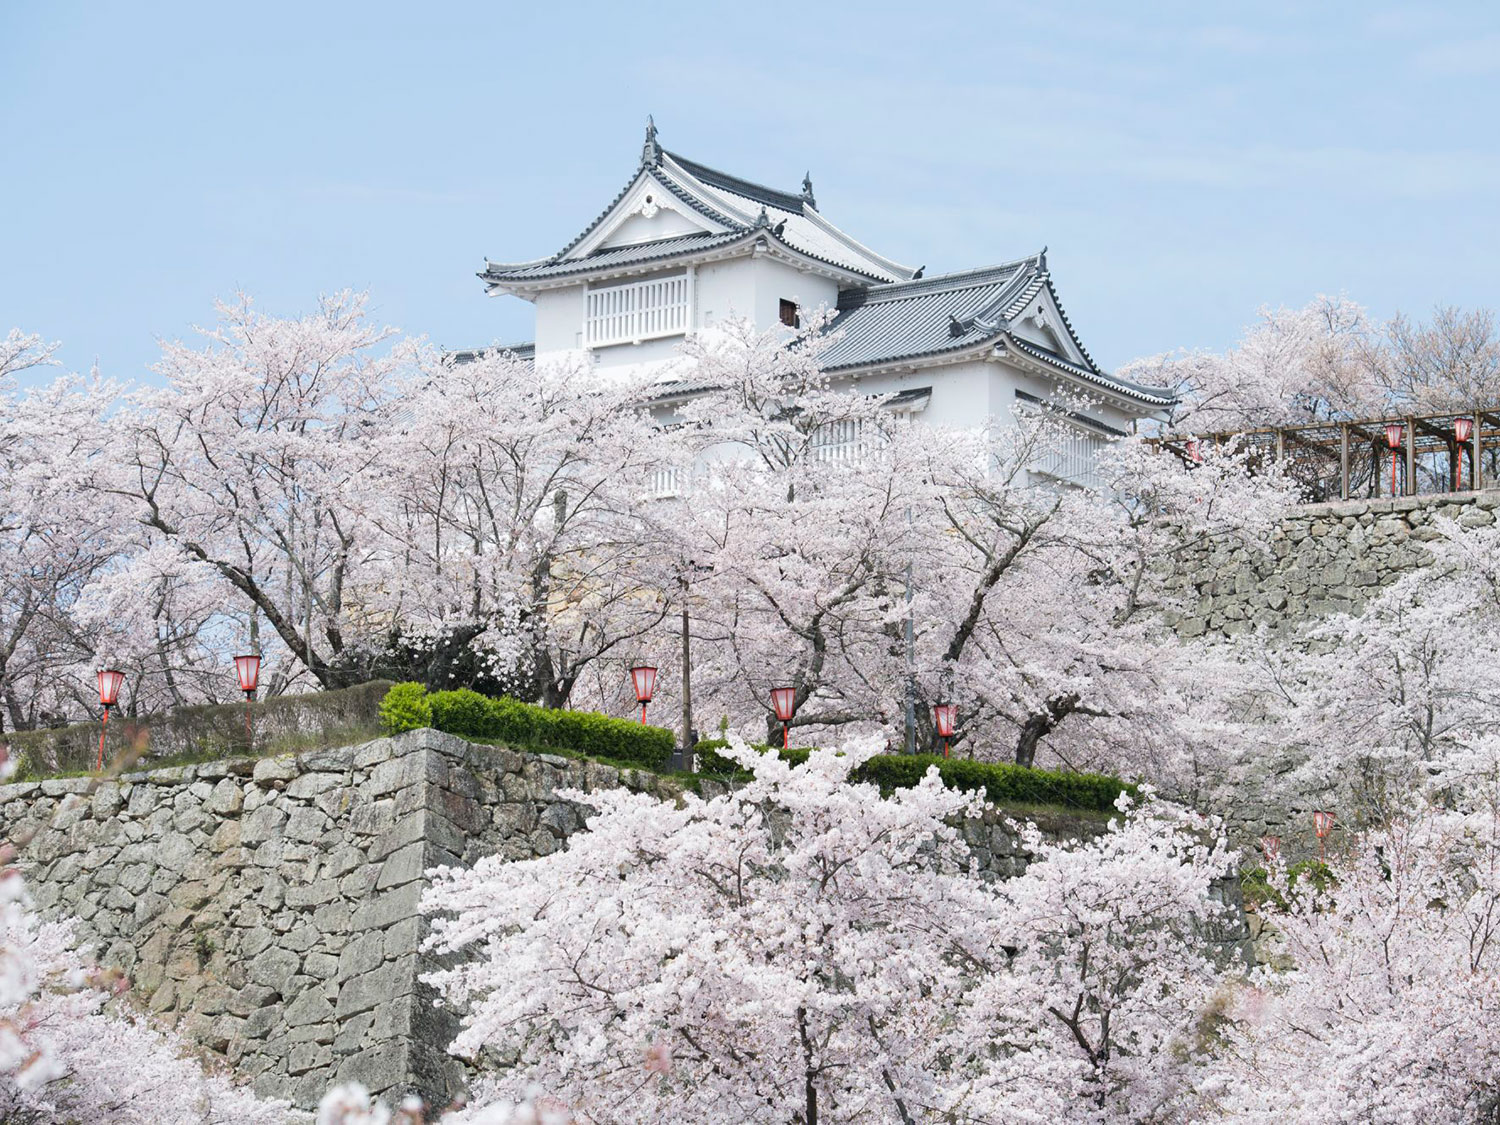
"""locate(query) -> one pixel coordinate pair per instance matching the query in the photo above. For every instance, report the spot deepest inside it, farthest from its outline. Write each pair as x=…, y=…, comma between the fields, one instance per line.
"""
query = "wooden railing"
x=1074, y=460
x=1410, y=455
x=641, y=310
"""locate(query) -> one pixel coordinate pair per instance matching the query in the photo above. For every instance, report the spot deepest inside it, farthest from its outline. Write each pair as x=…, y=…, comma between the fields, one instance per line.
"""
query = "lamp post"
x=1322, y=826
x=945, y=717
x=784, y=700
x=1395, y=434
x=1463, y=433
x=1270, y=846
x=109, y=680
x=643, y=677
x=247, y=671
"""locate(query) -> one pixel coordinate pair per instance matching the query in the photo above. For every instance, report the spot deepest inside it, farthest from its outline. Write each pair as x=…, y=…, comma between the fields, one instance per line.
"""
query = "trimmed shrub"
x=463, y=712
x=1001, y=783
x=470, y=715
x=713, y=763
x=404, y=708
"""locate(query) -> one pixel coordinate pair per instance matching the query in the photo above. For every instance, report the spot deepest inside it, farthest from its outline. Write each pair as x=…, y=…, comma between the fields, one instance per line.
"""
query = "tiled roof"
x=1158, y=396
x=469, y=355
x=737, y=205
x=956, y=312
x=615, y=256
x=928, y=317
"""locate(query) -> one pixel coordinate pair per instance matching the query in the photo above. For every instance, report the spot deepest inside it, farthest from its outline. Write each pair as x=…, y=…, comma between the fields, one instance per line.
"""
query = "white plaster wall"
x=559, y=319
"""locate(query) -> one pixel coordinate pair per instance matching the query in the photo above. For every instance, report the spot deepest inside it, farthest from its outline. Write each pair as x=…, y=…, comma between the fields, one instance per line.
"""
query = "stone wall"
x=1323, y=559
x=268, y=908
x=320, y=718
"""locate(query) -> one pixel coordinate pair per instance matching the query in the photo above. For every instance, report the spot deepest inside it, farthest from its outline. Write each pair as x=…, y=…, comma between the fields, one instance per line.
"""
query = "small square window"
x=789, y=315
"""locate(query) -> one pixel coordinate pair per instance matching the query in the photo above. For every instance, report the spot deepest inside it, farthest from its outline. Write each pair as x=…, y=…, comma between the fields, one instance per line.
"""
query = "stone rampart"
x=268, y=908
x=1323, y=559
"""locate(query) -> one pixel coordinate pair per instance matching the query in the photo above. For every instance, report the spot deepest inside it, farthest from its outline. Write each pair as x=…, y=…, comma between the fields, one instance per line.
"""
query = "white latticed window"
x=641, y=310
x=1075, y=458
x=839, y=441
x=664, y=483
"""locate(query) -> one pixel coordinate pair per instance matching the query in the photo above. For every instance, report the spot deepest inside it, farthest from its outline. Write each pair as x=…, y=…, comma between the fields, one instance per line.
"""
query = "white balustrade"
x=641, y=310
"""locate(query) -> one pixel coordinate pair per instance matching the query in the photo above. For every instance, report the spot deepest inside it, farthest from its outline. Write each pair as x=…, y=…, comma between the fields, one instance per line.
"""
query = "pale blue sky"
x=1185, y=163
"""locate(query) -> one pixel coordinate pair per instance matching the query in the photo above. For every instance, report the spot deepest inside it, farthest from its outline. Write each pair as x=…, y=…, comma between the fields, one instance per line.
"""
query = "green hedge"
x=1002, y=784
x=471, y=715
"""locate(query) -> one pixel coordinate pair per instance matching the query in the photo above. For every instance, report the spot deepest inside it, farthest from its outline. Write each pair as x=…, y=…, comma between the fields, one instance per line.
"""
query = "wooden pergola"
x=1347, y=459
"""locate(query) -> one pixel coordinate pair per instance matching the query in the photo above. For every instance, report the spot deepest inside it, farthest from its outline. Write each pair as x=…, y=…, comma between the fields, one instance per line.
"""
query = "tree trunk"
x=1040, y=724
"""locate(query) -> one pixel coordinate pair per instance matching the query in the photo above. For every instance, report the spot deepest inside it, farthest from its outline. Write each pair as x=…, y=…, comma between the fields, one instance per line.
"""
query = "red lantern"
x=1395, y=434
x=247, y=671
x=1195, y=452
x=1463, y=432
x=109, y=681
x=1271, y=846
x=1322, y=826
x=945, y=717
x=784, y=700
x=643, y=677
x=109, y=686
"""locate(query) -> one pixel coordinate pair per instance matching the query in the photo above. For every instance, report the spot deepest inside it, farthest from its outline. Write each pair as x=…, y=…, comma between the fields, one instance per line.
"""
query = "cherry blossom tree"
x=1292, y=366
x=1385, y=1004
x=251, y=460
x=803, y=949
x=788, y=951
x=799, y=516
x=514, y=520
x=54, y=539
x=1094, y=1017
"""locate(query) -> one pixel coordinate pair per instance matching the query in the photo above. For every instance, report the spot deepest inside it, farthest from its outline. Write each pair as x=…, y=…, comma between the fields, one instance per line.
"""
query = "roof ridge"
x=784, y=200
x=895, y=290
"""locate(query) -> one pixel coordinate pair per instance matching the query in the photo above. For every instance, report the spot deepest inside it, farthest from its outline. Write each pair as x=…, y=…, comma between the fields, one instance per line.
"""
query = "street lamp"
x=1463, y=431
x=945, y=716
x=1395, y=434
x=1270, y=846
x=784, y=700
x=1322, y=825
x=247, y=671
x=643, y=676
x=109, y=694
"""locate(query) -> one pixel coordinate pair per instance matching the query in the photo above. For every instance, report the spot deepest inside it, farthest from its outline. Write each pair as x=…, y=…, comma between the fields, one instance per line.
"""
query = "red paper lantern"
x=1195, y=452
x=1271, y=846
x=1322, y=825
x=109, y=686
x=1395, y=434
x=109, y=680
x=643, y=678
x=945, y=718
x=784, y=701
x=1463, y=432
x=247, y=671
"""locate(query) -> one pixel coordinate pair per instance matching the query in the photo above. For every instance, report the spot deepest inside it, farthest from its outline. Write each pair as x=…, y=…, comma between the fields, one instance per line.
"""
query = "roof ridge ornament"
x=807, y=192
x=651, y=150
x=1041, y=260
x=762, y=220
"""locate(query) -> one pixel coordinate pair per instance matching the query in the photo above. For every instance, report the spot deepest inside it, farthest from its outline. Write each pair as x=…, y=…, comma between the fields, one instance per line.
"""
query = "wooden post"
x=1409, y=485
x=1280, y=446
x=1477, y=476
x=1343, y=461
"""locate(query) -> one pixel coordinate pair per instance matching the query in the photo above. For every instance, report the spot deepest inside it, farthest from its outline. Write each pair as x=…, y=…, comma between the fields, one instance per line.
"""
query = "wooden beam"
x=1411, y=457
x=1343, y=462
